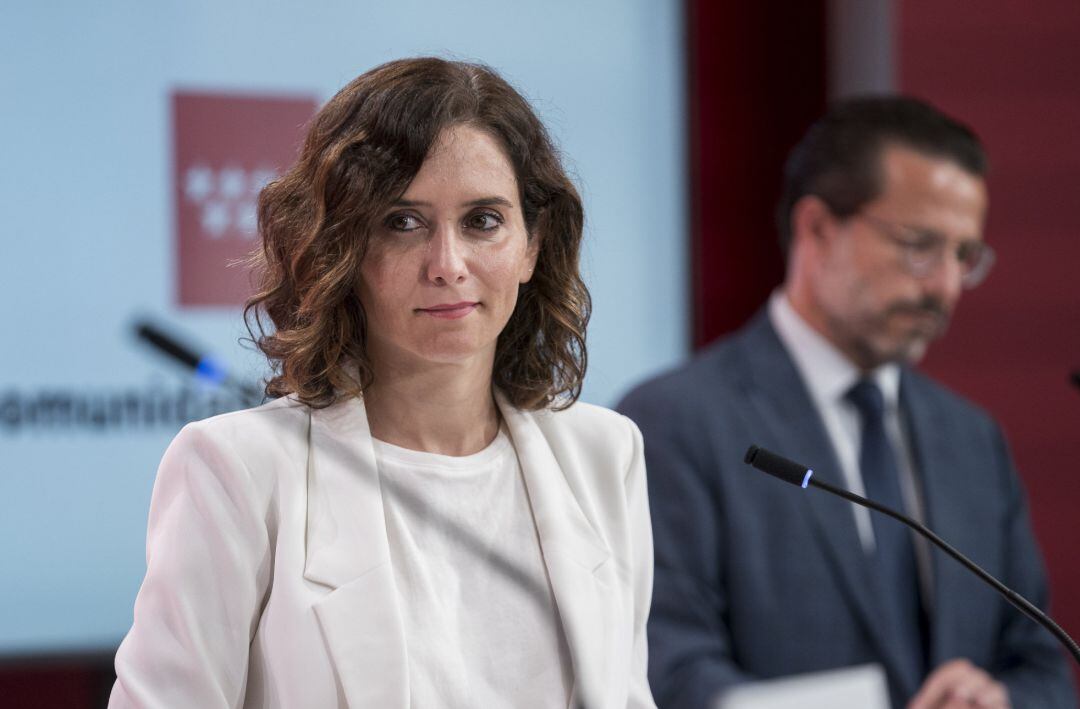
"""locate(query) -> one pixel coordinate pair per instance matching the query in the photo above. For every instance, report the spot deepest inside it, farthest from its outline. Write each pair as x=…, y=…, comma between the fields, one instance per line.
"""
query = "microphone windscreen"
x=167, y=344
x=778, y=466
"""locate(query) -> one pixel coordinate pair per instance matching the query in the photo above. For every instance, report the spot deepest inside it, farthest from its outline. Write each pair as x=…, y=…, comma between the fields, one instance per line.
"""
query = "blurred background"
x=137, y=135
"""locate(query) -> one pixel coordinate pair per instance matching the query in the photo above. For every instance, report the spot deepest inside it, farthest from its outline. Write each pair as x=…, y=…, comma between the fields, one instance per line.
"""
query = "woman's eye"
x=484, y=221
x=403, y=222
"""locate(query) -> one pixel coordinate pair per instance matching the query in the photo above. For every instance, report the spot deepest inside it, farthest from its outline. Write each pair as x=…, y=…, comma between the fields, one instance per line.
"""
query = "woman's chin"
x=453, y=350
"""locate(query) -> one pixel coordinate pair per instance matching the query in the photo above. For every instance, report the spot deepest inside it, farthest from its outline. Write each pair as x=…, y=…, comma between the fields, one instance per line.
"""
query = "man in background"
x=881, y=221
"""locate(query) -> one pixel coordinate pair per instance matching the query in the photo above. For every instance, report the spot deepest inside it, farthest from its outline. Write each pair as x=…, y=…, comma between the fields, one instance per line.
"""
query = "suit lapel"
x=783, y=403
x=937, y=458
x=575, y=557
x=348, y=551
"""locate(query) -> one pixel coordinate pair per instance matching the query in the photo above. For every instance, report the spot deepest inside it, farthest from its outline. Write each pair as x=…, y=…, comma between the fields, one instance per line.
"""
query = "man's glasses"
x=925, y=250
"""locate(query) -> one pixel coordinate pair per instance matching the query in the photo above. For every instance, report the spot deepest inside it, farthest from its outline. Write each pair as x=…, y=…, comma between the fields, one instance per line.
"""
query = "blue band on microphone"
x=211, y=371
x=806, y=480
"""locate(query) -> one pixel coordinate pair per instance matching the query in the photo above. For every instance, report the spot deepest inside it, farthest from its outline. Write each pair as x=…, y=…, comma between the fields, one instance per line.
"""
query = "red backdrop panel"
x=226, y=148
x=756, y=75
x=1010, y=70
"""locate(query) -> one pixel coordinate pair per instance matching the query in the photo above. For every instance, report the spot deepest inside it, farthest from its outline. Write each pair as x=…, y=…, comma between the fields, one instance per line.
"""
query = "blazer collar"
x=577, y=559
x=784, y=404
x=348, y=551
x=346, y=531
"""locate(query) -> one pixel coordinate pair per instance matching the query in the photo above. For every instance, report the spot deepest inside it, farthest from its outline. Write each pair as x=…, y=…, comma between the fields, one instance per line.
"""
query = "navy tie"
x=894, y=568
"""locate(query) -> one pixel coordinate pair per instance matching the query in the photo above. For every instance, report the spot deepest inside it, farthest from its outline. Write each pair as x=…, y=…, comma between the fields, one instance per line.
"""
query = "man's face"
x=874, y=306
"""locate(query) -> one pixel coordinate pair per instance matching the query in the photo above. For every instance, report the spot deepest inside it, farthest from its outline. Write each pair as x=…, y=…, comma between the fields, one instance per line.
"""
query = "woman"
x=423, y=516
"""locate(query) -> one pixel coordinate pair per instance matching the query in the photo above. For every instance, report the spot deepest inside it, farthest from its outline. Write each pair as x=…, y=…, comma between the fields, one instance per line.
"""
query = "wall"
x=757, y=74
x=1010, y=69
x=91, y=198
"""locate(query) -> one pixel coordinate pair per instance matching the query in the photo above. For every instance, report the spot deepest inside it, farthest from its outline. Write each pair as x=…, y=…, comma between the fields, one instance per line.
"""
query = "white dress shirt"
x=828, y=376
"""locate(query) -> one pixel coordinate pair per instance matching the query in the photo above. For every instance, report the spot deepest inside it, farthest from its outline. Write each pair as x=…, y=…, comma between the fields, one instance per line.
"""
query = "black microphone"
x=798, y=474
x=167, y=344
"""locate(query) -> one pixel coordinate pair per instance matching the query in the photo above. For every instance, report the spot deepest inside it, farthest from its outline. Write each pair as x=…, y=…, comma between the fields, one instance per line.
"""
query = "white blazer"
x=269, y=583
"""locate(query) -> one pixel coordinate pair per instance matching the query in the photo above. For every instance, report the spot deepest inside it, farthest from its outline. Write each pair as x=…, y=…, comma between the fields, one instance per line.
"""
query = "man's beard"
x=875, y=341
x=931, y=322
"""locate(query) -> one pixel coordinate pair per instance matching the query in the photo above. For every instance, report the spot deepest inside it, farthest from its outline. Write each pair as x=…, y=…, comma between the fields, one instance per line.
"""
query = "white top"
x=828, y=376
x=481, y=627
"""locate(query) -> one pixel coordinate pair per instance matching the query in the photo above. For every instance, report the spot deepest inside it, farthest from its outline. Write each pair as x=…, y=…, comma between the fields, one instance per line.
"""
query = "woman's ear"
x=532, y=254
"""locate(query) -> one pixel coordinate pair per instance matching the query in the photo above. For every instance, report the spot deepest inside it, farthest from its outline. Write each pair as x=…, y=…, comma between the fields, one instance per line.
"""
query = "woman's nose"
x=446, y=262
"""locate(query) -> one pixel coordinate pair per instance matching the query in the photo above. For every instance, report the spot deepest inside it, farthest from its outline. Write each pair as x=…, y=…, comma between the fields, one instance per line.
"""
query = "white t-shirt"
x=481, y=626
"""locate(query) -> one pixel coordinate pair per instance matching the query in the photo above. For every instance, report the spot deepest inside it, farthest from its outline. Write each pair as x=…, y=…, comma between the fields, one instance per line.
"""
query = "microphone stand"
x=796, y=474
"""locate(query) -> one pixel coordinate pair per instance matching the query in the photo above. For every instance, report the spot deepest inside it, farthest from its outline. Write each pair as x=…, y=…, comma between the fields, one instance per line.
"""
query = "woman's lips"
x=450, y=311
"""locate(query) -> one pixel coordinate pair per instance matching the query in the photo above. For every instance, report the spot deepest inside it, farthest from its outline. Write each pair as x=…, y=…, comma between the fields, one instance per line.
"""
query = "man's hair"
x=839, y=158
x=362, y=150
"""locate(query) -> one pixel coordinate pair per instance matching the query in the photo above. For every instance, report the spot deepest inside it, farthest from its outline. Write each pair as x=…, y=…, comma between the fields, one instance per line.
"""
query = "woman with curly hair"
x=422, y=516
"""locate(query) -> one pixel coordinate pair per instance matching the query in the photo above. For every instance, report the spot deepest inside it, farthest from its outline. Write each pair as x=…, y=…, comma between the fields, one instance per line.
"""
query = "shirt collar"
x=828, y=374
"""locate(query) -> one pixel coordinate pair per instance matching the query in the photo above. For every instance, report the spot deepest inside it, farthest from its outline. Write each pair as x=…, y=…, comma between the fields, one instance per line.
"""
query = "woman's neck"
x=447, y=409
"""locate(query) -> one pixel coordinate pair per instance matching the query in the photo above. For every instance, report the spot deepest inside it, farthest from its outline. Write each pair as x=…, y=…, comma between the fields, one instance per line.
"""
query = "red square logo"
x=226, y=148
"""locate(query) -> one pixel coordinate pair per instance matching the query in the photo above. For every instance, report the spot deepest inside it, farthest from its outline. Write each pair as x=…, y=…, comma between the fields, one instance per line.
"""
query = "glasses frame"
x=925, y=250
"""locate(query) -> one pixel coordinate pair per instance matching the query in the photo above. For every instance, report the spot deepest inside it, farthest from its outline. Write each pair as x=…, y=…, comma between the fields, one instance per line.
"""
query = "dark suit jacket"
x=756, y=578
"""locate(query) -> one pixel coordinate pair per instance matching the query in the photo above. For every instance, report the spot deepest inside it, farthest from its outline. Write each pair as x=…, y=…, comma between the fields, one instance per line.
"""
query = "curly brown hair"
x=361, y=152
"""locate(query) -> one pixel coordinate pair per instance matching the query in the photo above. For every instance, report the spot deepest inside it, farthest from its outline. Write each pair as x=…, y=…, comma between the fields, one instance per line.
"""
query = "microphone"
x=797, y=474
x=206, y=367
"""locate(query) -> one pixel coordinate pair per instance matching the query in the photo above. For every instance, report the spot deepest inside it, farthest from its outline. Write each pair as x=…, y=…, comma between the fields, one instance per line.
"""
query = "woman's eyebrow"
x=489, y=202
x=481, y=202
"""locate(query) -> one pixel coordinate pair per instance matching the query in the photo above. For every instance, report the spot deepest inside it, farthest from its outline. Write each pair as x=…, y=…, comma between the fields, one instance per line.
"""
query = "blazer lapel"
x=348, y=551
x=575, y=557
x=783, y=403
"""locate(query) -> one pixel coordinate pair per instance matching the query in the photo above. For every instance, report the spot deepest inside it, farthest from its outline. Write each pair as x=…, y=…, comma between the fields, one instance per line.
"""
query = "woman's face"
x=441, y=275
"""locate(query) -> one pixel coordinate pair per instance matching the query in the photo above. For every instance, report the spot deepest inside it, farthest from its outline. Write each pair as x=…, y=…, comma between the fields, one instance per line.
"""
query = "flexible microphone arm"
x=796, y=474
